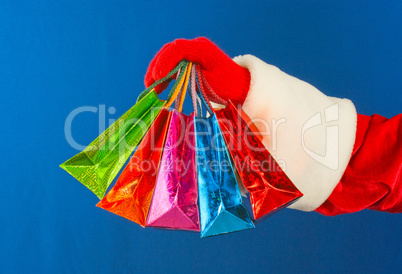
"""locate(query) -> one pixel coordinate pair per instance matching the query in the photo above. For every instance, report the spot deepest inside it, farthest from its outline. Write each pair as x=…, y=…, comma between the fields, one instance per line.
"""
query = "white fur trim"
x=310, y=134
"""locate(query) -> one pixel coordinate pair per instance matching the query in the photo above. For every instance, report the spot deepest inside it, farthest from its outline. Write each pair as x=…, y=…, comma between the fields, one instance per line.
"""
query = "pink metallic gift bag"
x=174, y=203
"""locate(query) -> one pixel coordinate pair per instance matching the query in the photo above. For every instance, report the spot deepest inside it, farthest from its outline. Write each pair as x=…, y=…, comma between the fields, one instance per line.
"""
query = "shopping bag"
x=132, y=194
x=174, y=202
x=220, y=201
x=99, y=163
x=221, y=206
x=268, y=186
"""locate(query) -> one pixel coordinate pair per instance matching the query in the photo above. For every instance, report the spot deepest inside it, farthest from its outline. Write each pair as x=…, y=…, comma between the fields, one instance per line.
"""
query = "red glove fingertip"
x=149, y=76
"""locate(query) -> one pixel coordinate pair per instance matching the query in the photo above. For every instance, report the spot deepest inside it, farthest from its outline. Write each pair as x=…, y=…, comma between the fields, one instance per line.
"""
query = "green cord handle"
x=183, y=64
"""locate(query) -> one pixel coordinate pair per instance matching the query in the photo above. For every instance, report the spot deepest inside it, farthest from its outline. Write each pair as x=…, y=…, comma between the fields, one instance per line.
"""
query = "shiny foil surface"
x=99, y=163
x=174, y=202
x=132, y=194
x=269, y=187
x=221, y=207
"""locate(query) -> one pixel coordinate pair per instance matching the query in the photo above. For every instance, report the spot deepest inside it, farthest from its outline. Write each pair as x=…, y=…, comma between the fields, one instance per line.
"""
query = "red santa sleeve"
x=372, y=179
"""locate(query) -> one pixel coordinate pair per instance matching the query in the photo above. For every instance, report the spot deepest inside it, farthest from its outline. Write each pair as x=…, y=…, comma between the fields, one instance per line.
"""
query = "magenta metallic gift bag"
x=174, y=202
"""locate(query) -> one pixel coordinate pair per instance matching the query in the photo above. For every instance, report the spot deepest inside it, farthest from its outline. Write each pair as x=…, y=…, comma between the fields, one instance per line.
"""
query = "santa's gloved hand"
x=226, y=78
x=329, y=151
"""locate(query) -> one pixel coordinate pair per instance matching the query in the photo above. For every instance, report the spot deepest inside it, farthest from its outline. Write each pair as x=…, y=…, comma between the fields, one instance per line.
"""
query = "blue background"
x=56, y=56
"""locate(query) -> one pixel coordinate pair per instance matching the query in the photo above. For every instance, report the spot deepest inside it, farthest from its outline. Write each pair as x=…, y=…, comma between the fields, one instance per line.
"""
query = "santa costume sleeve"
x=342, y=161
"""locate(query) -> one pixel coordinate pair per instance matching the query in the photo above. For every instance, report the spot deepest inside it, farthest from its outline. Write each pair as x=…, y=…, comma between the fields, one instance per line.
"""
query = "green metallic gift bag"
x=98, y=164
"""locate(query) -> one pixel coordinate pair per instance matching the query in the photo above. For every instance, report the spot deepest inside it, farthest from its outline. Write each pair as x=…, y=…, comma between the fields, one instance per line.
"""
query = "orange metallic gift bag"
x=132, y=194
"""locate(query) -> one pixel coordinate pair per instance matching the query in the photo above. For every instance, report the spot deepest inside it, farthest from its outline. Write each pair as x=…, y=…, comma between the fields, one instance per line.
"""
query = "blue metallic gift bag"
x=220, y=202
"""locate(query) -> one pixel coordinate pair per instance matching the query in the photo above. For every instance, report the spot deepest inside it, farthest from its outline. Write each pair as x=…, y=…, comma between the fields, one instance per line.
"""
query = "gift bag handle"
x=202, y=95
x=193, y=93
x=182, y=64
x=180, y=88
x=214, y=96
x=179, y=100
